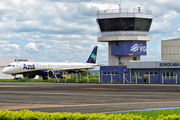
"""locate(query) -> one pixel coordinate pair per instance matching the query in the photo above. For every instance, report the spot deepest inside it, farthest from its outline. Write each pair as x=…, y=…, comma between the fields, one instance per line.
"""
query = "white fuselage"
x=23, y=67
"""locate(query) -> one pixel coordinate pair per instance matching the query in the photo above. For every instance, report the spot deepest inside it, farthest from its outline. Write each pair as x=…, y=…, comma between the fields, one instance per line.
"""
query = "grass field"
x=155, y=114
x=70, y=80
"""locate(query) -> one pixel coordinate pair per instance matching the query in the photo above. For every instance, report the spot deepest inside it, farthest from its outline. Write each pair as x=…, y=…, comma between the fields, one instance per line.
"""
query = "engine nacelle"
x=52, y=73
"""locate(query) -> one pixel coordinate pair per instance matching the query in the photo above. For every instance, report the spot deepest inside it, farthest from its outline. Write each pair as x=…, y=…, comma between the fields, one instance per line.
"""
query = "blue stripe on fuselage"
x=38, y=72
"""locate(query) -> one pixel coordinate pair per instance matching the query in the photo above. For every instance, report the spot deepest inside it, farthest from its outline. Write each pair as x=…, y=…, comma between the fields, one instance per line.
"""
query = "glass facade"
x=124, y=24
x=137, y=74
x=169, y=75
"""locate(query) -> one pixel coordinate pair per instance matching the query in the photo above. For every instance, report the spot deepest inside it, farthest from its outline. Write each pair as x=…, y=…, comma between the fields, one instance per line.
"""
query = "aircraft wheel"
x=29, y=76
x=45, y=78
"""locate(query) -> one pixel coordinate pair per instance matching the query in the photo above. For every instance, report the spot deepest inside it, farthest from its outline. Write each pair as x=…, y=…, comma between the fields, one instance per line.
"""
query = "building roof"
x=153, y=64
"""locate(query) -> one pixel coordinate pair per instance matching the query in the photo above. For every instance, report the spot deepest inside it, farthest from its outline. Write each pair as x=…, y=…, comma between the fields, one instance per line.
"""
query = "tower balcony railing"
x=122, y=33
x=124, y=10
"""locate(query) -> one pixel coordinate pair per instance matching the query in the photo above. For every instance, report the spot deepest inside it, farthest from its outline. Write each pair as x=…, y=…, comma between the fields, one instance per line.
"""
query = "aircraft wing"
x=79, y=68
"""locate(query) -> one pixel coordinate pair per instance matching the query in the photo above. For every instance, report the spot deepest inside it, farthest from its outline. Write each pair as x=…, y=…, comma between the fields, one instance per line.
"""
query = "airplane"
x=50, y=69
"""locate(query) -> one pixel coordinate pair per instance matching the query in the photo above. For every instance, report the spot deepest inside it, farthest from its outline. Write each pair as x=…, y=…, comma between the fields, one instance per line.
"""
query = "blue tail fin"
x=93, y=56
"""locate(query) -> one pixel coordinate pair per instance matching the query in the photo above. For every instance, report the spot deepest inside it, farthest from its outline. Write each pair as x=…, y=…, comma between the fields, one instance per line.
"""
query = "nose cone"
x=5, y=70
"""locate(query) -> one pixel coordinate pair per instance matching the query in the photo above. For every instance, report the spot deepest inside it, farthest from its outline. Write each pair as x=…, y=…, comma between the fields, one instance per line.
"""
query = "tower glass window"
x=124, y=24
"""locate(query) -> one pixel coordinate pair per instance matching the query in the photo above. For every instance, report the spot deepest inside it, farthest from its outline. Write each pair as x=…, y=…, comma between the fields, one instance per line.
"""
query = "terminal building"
x=170, y=49
x=126, y=31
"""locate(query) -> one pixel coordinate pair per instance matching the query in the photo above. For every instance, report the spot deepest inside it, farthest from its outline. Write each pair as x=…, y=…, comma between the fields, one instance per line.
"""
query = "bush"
x=29, y=115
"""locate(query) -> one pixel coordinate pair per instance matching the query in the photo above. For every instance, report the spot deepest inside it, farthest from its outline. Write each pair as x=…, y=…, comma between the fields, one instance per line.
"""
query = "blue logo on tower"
x=28, y=67
x=138, y=47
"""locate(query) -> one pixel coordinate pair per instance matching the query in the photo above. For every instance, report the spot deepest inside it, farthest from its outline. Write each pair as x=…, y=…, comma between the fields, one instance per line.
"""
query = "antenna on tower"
x=120, y=5
x=120, y=1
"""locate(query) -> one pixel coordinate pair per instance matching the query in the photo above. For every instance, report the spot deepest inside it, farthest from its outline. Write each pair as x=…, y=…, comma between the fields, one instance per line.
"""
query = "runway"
x=87, y=98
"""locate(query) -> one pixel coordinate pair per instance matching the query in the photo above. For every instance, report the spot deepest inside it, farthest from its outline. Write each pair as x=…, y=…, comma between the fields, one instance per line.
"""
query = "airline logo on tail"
x=94, y=57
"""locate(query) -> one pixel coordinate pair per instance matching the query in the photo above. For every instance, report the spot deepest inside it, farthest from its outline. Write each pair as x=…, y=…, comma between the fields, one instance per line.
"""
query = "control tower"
x=126, y=31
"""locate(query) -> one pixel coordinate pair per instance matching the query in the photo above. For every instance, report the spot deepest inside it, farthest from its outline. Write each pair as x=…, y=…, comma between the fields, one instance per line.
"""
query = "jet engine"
x=52, y=73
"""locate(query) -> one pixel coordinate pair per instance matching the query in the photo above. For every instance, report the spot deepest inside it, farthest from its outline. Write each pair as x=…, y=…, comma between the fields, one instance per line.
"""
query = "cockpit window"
x=10, y=65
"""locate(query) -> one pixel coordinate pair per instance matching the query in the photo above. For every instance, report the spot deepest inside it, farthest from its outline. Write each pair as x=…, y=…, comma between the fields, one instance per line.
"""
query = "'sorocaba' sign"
x=169, y=64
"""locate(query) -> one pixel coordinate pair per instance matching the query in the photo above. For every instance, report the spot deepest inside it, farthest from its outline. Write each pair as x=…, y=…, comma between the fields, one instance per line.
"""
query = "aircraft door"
x=19, y=66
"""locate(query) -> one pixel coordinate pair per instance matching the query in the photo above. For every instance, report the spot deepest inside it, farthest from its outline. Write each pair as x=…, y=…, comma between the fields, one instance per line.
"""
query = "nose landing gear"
x=15, y=78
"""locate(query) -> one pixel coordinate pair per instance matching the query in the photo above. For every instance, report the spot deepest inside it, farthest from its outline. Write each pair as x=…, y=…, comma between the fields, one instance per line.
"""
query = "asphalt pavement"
x=87, y=98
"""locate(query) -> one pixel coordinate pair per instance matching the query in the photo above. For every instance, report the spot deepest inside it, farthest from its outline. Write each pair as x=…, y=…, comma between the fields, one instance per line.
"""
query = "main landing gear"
x=45, y=78
x=29, y=76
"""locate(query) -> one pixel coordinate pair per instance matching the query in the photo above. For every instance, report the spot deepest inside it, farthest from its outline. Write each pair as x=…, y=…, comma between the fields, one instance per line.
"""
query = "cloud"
x=79, y=47
x=178, y=29
x=31, y=47
x=53, y=30
x=17, y=47
x=4, y=41
x=171, y=15
x=152, y=54
x=9, y=48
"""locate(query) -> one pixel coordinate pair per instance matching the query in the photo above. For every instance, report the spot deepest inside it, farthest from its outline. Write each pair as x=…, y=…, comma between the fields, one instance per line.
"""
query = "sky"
x=66, y=30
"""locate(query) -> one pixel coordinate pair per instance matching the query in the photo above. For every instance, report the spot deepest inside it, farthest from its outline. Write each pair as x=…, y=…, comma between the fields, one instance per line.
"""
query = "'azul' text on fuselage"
x=29, y=67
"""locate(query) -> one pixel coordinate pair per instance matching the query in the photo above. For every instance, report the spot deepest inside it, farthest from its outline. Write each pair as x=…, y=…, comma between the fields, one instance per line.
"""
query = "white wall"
x=170, y=49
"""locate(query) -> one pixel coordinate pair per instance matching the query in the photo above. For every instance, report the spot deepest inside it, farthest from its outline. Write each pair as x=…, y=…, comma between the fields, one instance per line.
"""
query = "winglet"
x=93, y=56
